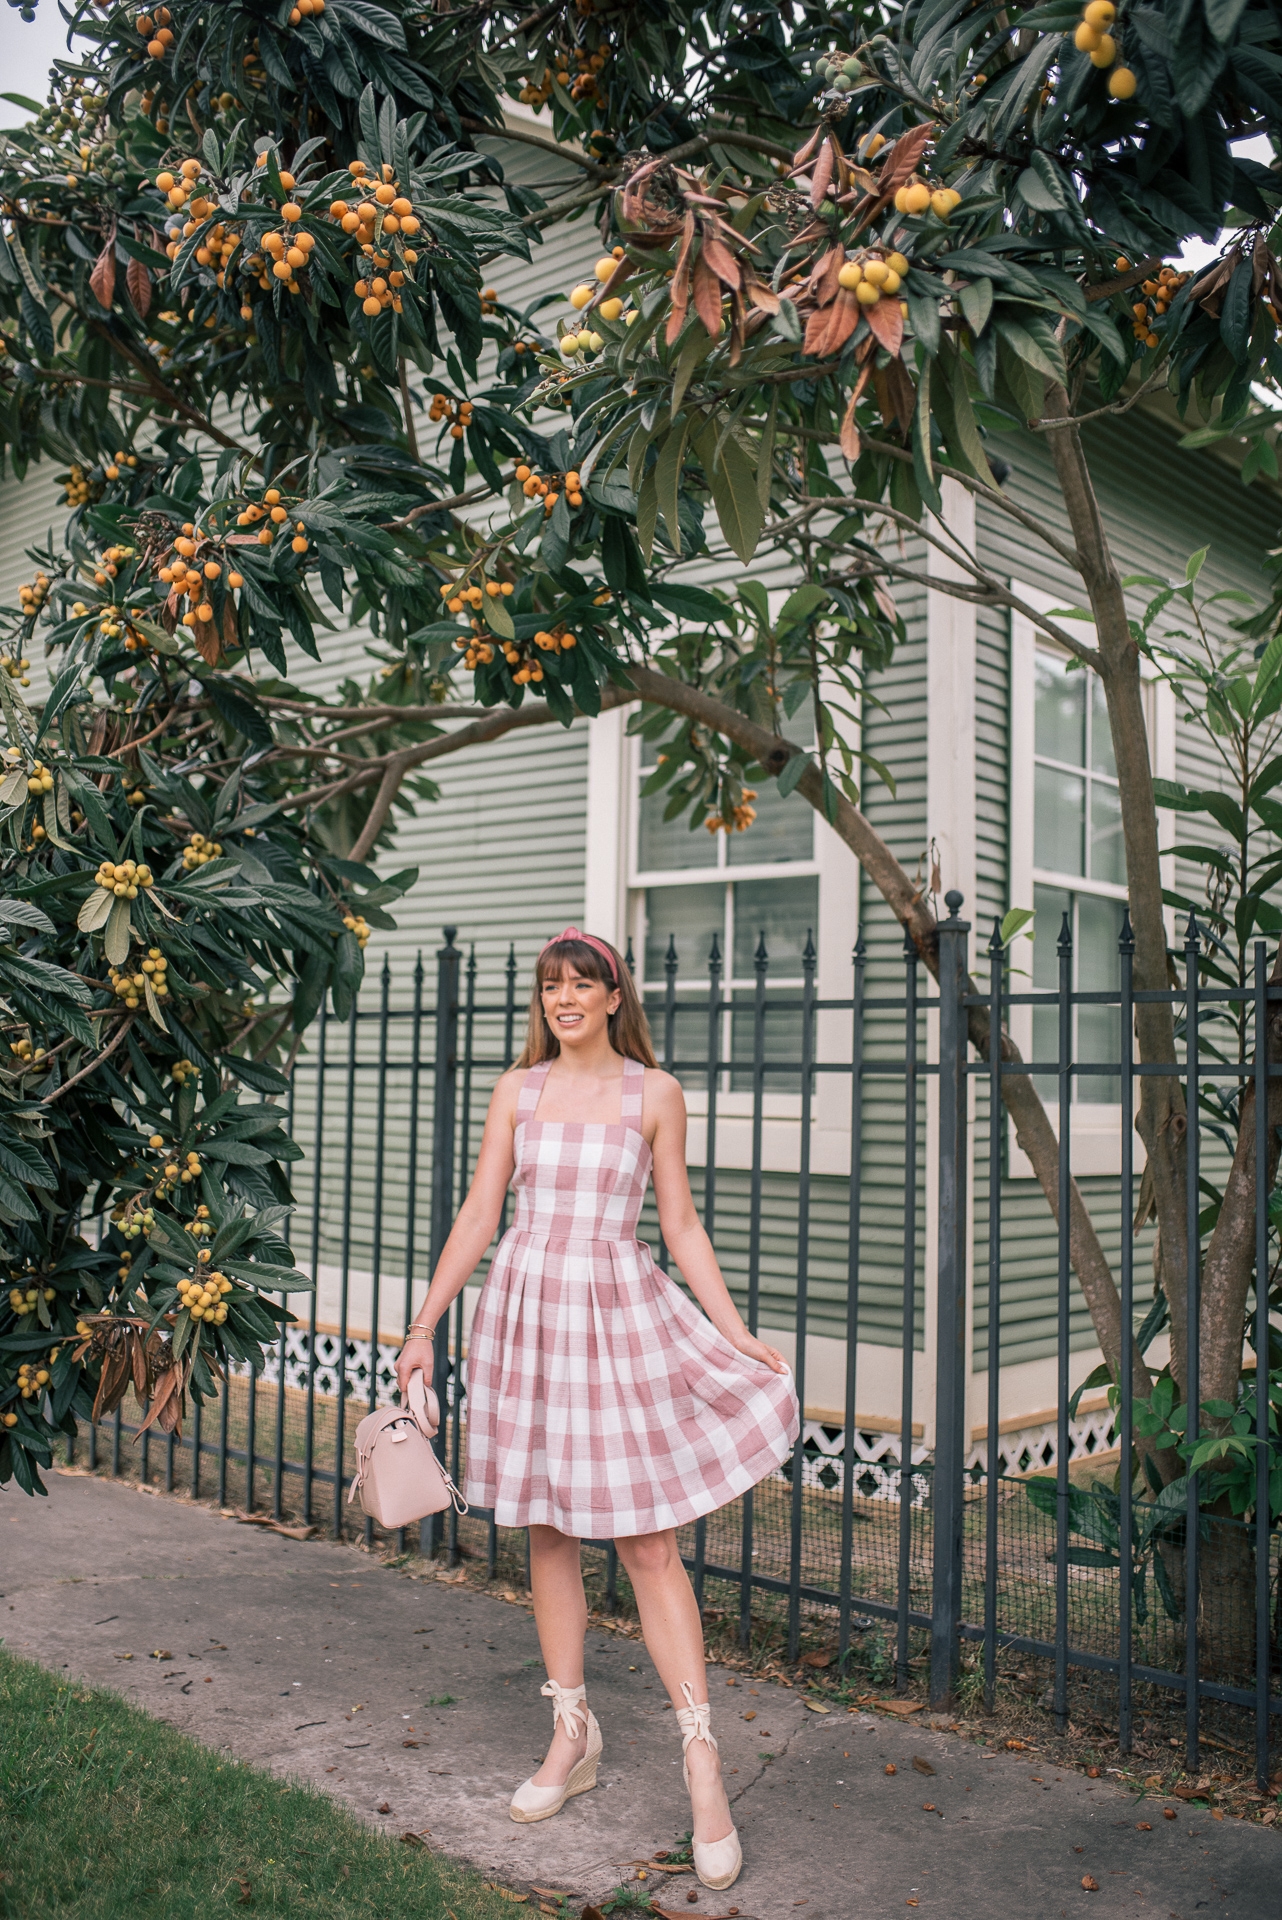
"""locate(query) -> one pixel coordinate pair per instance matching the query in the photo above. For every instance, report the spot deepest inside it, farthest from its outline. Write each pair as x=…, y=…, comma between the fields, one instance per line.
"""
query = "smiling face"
x=576, y=1005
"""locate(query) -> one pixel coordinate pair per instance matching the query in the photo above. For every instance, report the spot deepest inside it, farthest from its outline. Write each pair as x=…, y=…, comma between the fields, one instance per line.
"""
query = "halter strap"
x=633, y=1089
x=531, y=1088
x=569, y=1706
x=695, y=1719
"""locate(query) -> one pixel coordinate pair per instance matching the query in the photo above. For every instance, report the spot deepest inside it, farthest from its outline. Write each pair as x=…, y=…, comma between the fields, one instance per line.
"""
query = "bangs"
x=576, y=956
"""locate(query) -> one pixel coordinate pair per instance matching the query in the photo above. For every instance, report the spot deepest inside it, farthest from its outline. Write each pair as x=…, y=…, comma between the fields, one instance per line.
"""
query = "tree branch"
x=94, y=1064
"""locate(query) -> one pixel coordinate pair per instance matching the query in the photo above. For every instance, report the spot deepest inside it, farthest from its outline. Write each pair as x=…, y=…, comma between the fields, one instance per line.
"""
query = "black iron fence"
x=917, y=1526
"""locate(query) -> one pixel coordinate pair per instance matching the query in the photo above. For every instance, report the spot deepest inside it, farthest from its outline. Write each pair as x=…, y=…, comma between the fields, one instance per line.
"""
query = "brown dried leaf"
x=816, y=331
x=103, y=278
x=166, y=1401
x=822, y=175
x=887, y=322
x=921, y=1765
x=721, y=260
x=843, y=318
x=851, y=445
x=112, y=1383
x=759, y=294
x=208, y=643
x=825, y=277
x=138, y=1364
x=804, y=151
x=707, y=296
x=138, y=287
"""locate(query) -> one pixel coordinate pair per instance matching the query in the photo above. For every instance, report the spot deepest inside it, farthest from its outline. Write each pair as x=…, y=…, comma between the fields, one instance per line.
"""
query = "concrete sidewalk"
x=417, y=1702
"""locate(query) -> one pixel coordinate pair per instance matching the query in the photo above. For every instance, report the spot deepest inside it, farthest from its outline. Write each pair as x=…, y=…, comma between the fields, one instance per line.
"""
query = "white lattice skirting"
x=876, y=1461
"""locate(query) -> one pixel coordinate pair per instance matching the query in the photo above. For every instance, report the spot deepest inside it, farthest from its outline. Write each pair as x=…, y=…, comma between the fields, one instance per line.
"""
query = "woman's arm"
x=682, y=1229
x=472, y=1231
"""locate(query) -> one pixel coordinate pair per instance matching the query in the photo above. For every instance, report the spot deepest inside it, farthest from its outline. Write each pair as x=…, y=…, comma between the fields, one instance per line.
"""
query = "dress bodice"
x=580, y=1180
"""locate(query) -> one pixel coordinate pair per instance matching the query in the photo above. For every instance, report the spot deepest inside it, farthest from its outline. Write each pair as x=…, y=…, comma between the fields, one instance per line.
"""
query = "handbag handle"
x=423, y=1404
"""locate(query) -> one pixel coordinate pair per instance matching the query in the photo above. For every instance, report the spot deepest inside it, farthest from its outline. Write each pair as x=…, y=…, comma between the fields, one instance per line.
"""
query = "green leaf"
x=498, y=619
x=734, y=492
x=975, y=297
x=115, y=945
x=923, y=465
x=802, y=602
x=690, y=603
x=1014, y=922
x=667, y=480
x=1196, y=561
x=647, y=515
x=94, y=909
x=695, y=348
x=793, y=771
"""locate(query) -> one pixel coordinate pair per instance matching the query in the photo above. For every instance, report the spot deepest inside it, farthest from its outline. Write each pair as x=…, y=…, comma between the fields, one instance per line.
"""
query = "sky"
x=26, y=54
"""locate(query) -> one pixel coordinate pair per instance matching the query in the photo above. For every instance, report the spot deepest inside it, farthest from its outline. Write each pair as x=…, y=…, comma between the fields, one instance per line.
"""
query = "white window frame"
x=1096, y=1130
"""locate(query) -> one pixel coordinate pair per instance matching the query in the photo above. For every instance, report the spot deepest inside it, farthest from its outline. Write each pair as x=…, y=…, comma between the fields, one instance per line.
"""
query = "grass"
x=106, y=1814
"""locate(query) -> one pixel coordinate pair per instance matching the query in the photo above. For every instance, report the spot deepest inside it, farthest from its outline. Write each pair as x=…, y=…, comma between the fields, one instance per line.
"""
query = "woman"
x=601, y=1402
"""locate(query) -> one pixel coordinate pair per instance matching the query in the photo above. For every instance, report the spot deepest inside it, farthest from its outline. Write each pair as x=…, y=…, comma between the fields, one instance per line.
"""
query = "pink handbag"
x=398, y=1475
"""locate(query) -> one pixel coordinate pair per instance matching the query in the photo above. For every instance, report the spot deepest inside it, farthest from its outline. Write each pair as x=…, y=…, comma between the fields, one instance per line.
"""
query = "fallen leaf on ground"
x=588, y=1913
x=550, y=1893
x=246, y=1892
x=409, y=1743
x=1015, y=1746
x=817, y=1706
x=751, y=1714
x=1143, y=1826
x=1169, y=1813
x=1092, y=1773
x=413, y=1840
x=922, y=1766
x=275, y=1526
x=902, y=1707
x=1090, y=1884
x=822, y=1658
x=382, y=1807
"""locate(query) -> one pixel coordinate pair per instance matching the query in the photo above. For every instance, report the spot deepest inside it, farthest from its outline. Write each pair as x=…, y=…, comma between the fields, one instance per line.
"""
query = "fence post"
x=432, y=1530
x=950, y=1345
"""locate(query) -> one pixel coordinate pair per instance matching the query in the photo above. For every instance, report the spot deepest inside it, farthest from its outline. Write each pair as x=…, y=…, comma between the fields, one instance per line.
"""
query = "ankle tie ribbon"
x=695, y=1719
x=569, y=1704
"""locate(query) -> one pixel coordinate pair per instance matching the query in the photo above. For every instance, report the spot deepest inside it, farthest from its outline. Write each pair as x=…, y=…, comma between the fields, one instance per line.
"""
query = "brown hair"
x=628, y=1027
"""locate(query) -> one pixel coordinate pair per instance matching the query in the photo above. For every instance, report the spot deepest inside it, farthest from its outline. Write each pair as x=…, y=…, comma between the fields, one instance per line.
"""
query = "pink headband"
x=588, y=940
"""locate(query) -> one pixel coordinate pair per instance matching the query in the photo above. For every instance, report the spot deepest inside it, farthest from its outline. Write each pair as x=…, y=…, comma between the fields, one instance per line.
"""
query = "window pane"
x=690, y=915
x=785, y=911
x=784, y=829
x=1059, y=804
x=1099, y=922
x=1060, y=730
x=1049, y=906
x=666, y=844
x=1108, y=852
x=1101, y=738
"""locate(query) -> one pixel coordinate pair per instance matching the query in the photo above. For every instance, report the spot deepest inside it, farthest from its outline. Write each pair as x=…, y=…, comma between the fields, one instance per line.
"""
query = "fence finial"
x=761, y=958
x=1126, y=939
x=997, y=944
x=954, y=901
x=1193, y=938
x=1064, y=946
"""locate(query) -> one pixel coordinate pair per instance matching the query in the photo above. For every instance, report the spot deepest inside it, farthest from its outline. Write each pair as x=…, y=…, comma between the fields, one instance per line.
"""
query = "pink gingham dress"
x=600, y=1400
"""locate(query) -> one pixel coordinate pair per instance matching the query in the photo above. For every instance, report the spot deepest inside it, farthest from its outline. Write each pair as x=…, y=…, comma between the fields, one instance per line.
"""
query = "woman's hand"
x=754, y=1349
x=417, y=1353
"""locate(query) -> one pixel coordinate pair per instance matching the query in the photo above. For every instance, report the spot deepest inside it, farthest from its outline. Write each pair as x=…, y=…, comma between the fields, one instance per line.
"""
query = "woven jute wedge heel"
x=569, y=1707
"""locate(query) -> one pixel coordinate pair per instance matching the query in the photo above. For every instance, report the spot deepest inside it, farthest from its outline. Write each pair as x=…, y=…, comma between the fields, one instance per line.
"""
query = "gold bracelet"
x=424, y=1333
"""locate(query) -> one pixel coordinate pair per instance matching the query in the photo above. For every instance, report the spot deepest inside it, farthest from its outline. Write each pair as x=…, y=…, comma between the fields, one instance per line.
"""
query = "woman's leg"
x=561, y=1616
x=674, y=1640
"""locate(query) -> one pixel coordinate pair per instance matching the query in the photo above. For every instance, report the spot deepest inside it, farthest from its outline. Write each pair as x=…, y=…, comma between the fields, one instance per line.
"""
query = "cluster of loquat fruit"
x=78, y=488
x=134, y=1223
x=443, y=408
x=32, y=595
x=547, y=488
x=182, y=1071
x=130, y=984
x=199, y=851
x=27, y=1299
x=273, y=510
x=385, y=214
x=918, y=196
x=17, y=666
x=1094, y=39
x=838, y=71
x=33, y=1378
x=873, y=276
x=458, y=598
x=40, y=779
x=189, y=579
x=124, y=878
x=741, y=816
x=1160, y=291
x=356, y=923
x=108, y=567
x=156, y=30
x=303, y=10
x=26, y=1055
x=205, y=1297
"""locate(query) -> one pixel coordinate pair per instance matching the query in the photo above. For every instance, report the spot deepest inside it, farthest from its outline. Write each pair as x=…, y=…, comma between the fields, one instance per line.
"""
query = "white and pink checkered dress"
x=600, y=1400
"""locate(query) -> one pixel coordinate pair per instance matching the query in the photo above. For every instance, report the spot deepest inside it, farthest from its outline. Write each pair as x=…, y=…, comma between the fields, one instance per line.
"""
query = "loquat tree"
x=243, y=241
